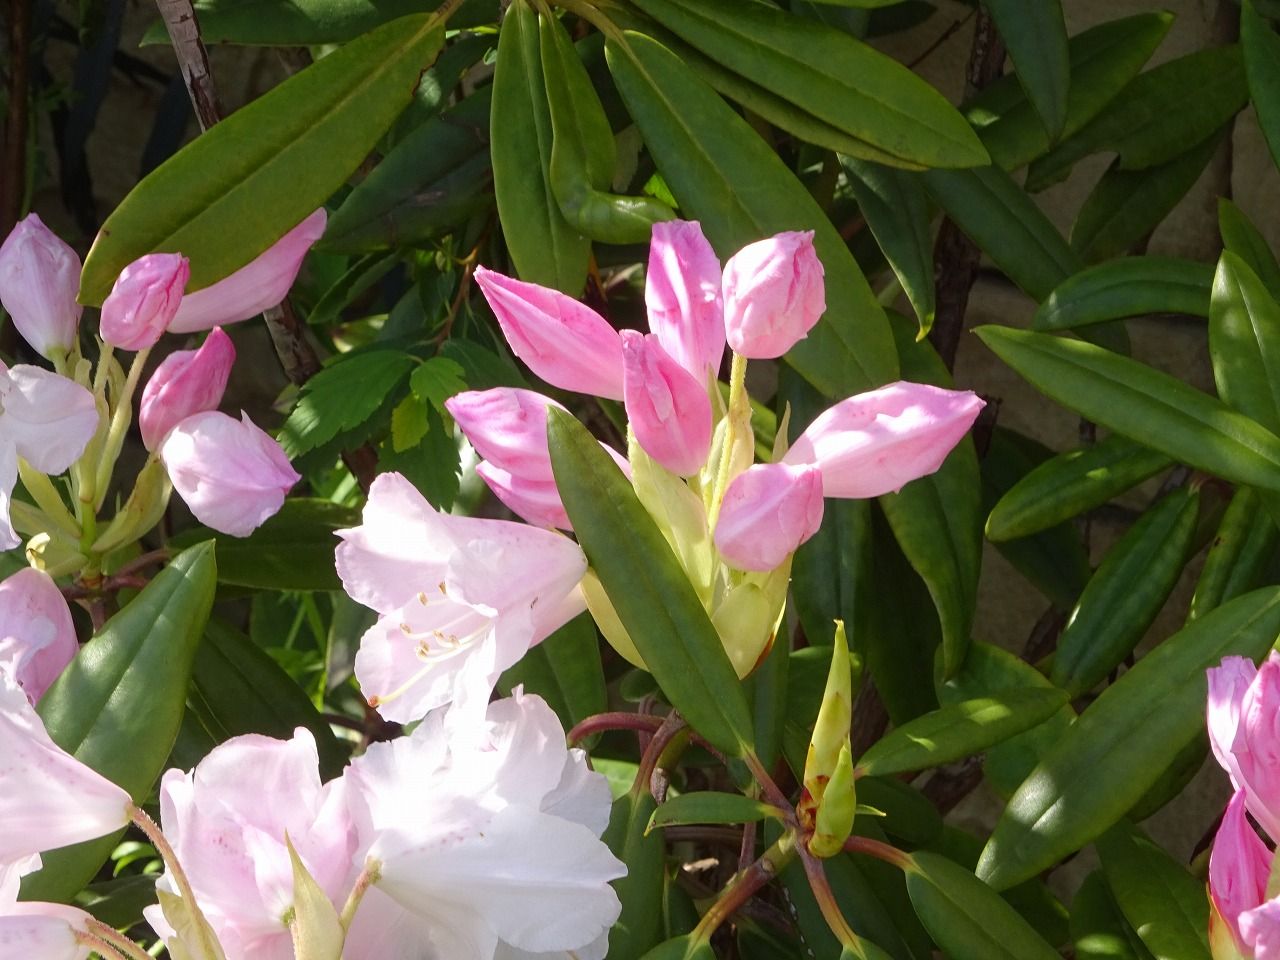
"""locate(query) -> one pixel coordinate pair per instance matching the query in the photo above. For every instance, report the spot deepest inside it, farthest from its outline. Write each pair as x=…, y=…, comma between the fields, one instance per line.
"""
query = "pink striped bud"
x=39, y=277
x=768, y=511
x=186, y=382
x=534, y=501
x=773, y=295
x=564, y=342
x=682, y=294
x=668, y=409
x=144, y=300
x=508, y=427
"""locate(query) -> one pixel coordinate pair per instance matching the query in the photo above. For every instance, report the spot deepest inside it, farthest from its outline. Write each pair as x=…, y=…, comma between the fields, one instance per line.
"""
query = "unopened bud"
x=831, y=730
x=144, y=300
x=834, y=821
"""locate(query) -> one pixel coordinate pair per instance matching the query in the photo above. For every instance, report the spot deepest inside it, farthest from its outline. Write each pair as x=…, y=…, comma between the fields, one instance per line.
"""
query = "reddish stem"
x=603, y=722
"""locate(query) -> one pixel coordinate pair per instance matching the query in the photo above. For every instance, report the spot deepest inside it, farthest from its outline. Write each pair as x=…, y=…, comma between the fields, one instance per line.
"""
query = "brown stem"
x=881, y=851
x=955, y=256
x=745, y=885
x=826, y=899
x=671, y=727
x=180, y=20
x=771, y=789
x=602, y=722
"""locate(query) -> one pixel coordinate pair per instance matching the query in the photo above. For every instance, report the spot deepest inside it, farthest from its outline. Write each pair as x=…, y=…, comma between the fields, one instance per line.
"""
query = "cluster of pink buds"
x=230, y=473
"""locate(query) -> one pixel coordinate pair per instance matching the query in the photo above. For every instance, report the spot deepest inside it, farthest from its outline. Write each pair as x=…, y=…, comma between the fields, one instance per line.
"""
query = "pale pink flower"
x=39, y=277
x=878, y=442
x=668, y=409
x=185, y=383
x=768, y=511
x=260, y=284
x=230, y=473
x=227, y=821
x=37, y=636
x=41, y=931
x=773, y=295
x=1238, y=868
x=1244, y=731
x=564, y=342
x=144, y=300
x=683, y=299
x=533, y=501
x=461, y=599
x=45, y=419
x=487, y=834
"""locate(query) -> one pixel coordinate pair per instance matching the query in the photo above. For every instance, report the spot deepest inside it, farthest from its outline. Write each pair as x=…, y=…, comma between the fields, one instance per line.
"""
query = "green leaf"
x=829, y=74
x=997, y=215
x=1157, y=115
x=430, y=181
x=291, y=551
x=1126, y=205
x=410, y=422
x=118, y=902
x=118, y=705
x=544, y=248
x=1130, y=588
x=317, y=931
x=959, y=730
x=1238, y=554
x=687, y=947
x=237, y=688
x=564, y=670
x=1244, y=240
x=1123, y=742
x=262, y=170
x=707, y=806
x=1098, y=930
x=895, y=208
x=436, y=380
x=1158, y=896
x=1262, y=68
x=1036, y=38
x=726, y=177
x=1102, y=60
x=654, y=600
x=1133, y=399
x=639, y=926
x=968, y=919
x=1244, y=341
x=342, y=396
x=1128, y=287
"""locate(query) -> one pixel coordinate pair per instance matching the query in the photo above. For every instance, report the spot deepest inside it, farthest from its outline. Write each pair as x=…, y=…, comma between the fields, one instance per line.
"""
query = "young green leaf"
x=342, y=396
x=317, y=931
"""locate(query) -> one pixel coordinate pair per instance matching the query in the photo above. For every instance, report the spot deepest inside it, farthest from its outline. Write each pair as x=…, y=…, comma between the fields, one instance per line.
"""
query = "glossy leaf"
x=1262, y=69
x=1244, y=341
x=1123, y=742
x=1036, y=38
x=707, y=806
x=650, y=592
x=1127, y=592
x=1098, y=929
x=639, y=926
x=118, y=705
x=829, y=74
x=276, y=160
x=1244, y=544
x=959, y=730
x=727, y=178
x=1127, y=287
x=1245, y=240
x=1140, y=402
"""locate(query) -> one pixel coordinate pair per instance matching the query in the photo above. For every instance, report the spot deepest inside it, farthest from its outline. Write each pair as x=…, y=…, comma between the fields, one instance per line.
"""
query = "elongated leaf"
x=1133, y=399
x=1102, y=60
x=959, y=730
x=1071, y=484
x=968, y=919
x=1159, y=897
x=1123, y=742
x=1157, y=115
x=262, y=170
x=118, y=902
x=1128, y=287
x=997, y=215
x=1244, y=240
x=1126, y=205
x=710, y=807
x=118, y=705
x=829, y=74
x=1036, y=38
x=1262, y=68
x=654, y=600
x=1244, y=341
x=1238, y=554
x=639, y=926
x=726, y=177
x=897, y=213
x=1129, y=589
x=564, y=670
x=1098, y=929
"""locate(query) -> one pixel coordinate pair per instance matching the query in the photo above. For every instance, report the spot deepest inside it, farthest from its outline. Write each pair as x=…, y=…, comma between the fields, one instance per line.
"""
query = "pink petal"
x=37, y=635
x=667, y=408
x=187, y=382
x=768, y=511
x=682, y=295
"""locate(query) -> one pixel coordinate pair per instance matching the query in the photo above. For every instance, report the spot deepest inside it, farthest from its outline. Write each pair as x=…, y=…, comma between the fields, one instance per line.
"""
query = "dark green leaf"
x=1036, y=38
x=118, y=902
x=1240, y=550
x=342, y=396
x=1244, y=240
x=711, y=807
x=639, y=926
x=1244, y=342
x=1098, y=929
x=1128, y=287
x=1262, y=68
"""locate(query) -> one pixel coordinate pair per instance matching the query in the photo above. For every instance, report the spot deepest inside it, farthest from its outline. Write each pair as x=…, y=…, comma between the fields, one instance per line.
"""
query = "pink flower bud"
x=144, y=300
x=260, y=284
x=39, y=277
x=773, y=295
x=186, y=382
x=508, y=427
x=231, y=474
x=1243, y=714
x=37, y=636
x=668, y=409
x=564, y=342
x=877, y=442
x=682, y=294
x=768, y=511
x=1238, y=868
x=1260, y=930
x=46, y=931
x=534, y=501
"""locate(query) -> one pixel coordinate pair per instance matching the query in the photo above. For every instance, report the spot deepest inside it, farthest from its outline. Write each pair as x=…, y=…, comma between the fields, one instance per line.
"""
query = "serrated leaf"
x=342, y=396
x=409, y=423
x=436, y=380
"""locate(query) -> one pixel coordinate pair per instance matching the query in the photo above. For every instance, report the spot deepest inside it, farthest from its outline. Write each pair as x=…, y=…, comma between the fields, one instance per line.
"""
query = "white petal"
x=49, y=418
